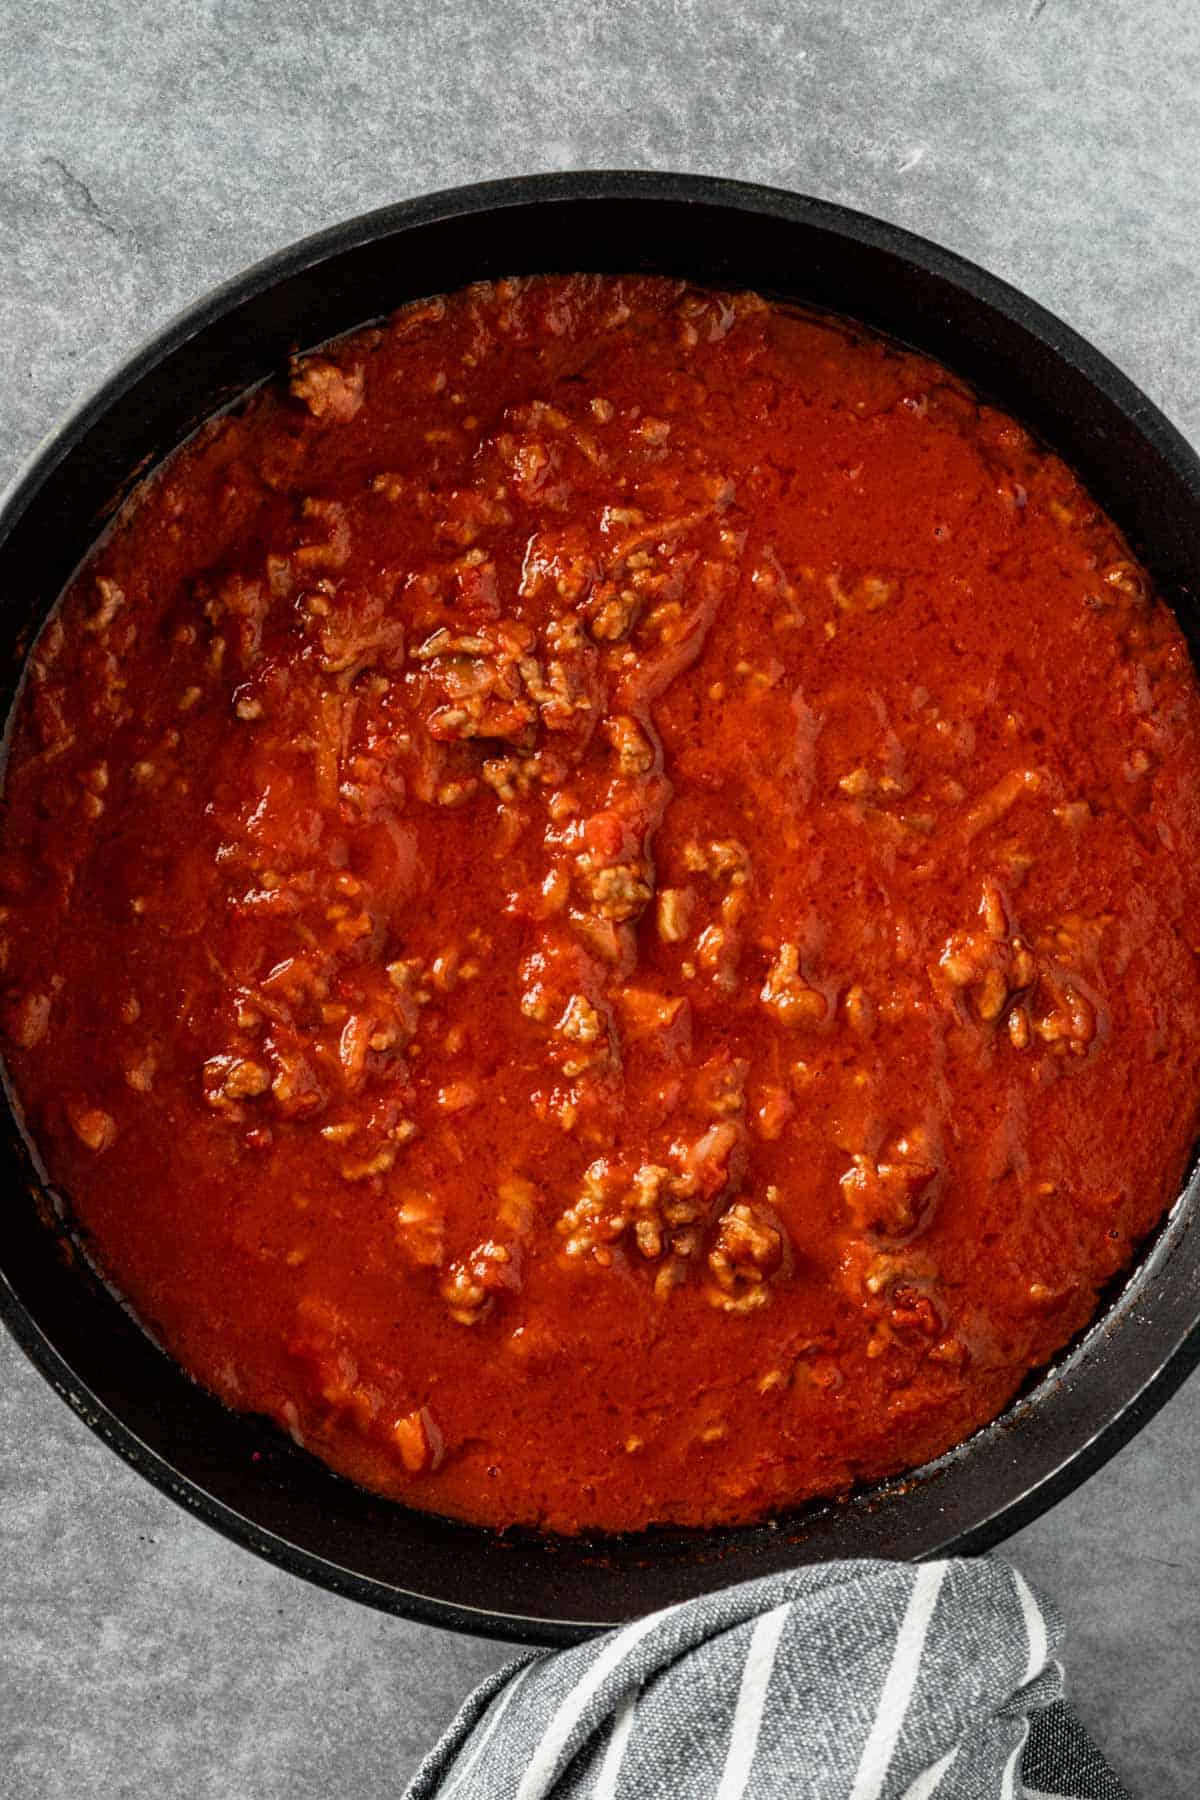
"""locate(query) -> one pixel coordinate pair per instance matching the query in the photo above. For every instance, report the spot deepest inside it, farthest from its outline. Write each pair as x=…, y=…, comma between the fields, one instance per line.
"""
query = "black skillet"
x=242, y=1475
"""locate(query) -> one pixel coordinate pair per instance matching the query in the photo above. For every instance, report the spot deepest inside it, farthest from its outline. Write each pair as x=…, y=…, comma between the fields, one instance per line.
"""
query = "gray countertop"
x=148, y=150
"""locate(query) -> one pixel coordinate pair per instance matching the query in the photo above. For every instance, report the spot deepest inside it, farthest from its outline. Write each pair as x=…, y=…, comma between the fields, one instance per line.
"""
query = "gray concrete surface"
x=150, y=149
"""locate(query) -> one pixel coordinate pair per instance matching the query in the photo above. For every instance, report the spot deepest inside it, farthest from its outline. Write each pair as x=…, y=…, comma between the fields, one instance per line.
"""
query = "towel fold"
x=844, y=1681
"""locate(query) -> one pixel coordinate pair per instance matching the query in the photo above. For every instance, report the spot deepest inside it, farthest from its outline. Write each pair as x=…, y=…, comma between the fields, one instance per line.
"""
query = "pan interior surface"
x=240, y=1474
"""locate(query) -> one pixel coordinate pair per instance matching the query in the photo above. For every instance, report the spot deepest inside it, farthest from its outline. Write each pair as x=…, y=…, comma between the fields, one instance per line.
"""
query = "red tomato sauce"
x=600, y=893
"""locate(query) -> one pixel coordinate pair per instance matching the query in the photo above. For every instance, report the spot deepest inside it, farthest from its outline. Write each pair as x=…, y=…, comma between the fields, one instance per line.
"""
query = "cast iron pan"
x=242, y=1475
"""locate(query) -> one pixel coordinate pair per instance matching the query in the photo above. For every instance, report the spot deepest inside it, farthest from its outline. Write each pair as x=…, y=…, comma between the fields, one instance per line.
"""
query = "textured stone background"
x=150, y=149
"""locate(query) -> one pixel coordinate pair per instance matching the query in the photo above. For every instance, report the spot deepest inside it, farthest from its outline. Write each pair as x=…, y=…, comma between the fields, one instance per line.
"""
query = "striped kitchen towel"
x=855, y=1680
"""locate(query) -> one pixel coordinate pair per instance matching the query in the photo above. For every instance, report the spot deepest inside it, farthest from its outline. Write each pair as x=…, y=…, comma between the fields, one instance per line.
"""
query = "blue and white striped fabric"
x=846, y=1681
